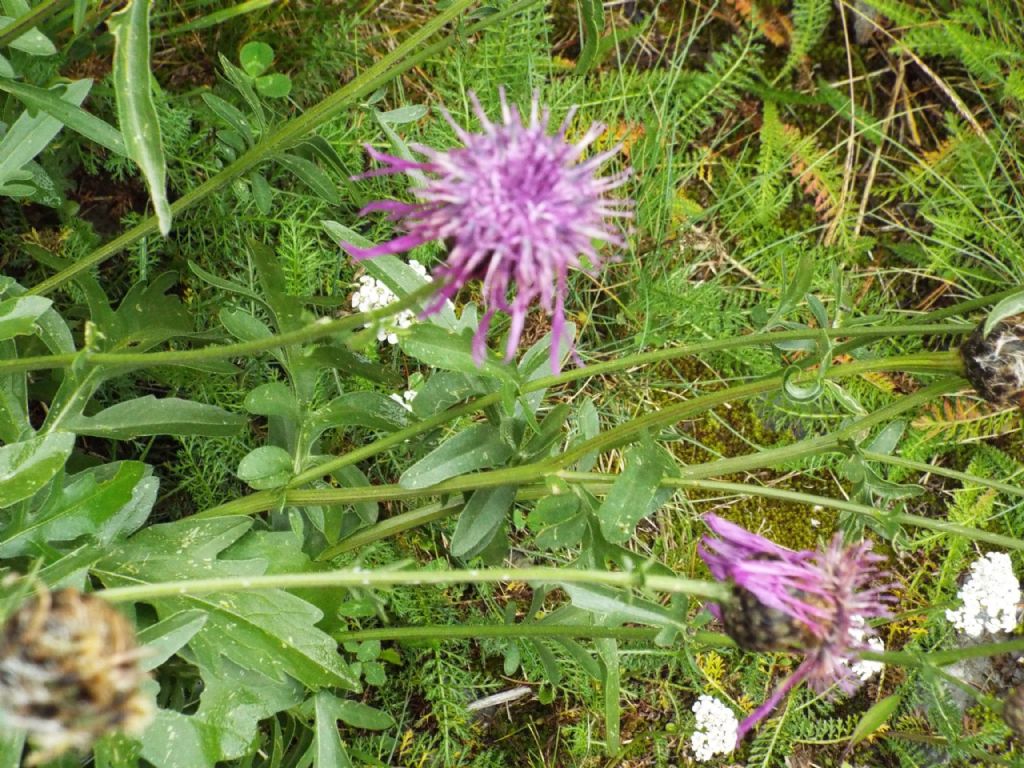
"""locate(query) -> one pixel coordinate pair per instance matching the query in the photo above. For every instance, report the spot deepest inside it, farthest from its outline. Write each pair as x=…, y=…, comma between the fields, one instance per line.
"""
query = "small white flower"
x=863, y=669
x=990, y=596
x=716, y=728
x=405, y=399
x=373, y=294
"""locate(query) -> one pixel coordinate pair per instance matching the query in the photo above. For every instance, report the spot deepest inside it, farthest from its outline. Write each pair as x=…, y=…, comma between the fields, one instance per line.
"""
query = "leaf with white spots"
x=136, y=111
x=479, y=446
x=636, y=493
x=27, y=466
x=271, y=632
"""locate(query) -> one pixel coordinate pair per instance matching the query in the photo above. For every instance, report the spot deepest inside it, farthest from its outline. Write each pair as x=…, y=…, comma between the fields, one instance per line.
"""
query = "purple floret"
x=825, y=590
x=518, y=206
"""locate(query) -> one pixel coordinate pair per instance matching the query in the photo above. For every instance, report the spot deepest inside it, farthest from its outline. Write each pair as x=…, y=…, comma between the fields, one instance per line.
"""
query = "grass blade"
x=217, y=17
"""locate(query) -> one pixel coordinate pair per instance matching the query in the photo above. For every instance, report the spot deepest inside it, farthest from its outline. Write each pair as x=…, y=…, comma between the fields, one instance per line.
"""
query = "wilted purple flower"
x=813, y=602
x=518, y=208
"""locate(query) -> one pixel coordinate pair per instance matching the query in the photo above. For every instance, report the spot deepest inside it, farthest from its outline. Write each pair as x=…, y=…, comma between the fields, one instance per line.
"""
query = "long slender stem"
x=322, y=328
x=781, y=494
x=963, y=307
x=319, y=329
x=477, y=631
x=942, y=360
x=394, y=63
x=737, y=342
x=920, y=466
x=526, y=473
x=33, y=18
x=623, y=433
x=716, y=639
x=599, y=484
x=949, y=656
x=407, y=520
x=358, y=577
x=824, y=443
x=263, y=500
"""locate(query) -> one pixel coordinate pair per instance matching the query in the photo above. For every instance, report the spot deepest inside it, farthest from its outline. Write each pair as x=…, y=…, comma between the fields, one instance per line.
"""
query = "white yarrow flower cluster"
x=990, y=596
x=863, y=669
x=405, y=399
x=373, y=294
x=716, y=728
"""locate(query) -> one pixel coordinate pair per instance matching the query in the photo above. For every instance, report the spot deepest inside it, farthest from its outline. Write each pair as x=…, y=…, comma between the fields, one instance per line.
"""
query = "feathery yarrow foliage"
x=815, y=602
x=517, y=206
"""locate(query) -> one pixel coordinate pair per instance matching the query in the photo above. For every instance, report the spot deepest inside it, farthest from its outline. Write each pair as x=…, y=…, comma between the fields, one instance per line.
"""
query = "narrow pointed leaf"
x=74, y=117
x=478, y=447
x=875, y=718
x=136, y=111
x=30, y=134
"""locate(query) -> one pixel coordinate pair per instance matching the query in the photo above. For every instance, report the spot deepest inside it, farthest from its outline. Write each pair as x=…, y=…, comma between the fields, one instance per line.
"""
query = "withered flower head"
x=813, y=602
x=69, y=673
x=994, y=363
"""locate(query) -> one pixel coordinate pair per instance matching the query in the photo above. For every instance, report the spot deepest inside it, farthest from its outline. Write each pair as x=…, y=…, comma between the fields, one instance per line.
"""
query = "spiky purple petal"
x=828, y=591
x=519, y=206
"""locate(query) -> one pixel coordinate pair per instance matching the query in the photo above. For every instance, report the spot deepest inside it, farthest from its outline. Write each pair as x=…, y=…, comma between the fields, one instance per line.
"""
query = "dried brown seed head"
x=994, y=363
x=69, y=673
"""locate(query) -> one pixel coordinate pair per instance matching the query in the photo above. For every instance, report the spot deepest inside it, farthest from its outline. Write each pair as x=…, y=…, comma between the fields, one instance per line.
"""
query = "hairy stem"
x=318, y=329
x=920, y=466
x=358, y=577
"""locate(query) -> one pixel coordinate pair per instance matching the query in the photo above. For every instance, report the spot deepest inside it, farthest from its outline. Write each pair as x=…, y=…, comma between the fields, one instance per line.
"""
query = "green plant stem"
x=357, y=577
x=716, y=639
x=941, y=658
x=737, y=342
x=620, y=364
x=599, y=484
x=932, y=362
x=920, y=466
x=963, y=307
x=318, y=329
x=33, y=18
x=824, y=443
x=405, y=56
x=481, y=631
x=407, y=520
x=915, y=521
x=537, y=471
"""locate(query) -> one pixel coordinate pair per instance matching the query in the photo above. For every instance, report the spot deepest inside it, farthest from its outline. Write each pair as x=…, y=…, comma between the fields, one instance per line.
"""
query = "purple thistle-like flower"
x=814, y=602
x=518, y=207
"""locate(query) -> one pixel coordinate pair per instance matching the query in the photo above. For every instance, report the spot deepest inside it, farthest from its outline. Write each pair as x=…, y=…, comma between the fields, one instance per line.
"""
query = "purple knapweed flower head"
x=518, y=208
x=811, y=602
